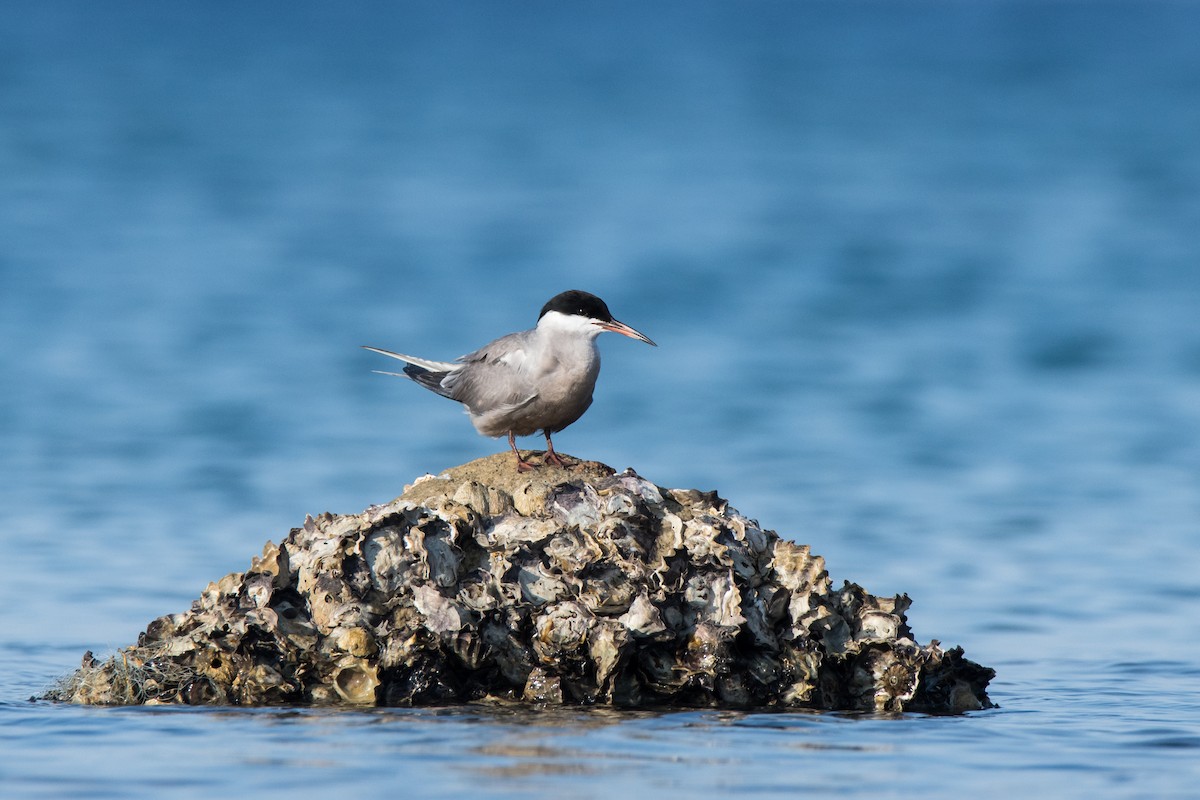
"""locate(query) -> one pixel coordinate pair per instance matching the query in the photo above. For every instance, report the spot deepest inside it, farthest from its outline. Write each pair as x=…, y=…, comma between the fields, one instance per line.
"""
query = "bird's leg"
x=551, y=457
x=522, y=464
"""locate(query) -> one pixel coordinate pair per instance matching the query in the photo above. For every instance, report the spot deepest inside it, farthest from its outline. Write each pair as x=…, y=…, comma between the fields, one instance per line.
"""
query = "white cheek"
x=568, y=323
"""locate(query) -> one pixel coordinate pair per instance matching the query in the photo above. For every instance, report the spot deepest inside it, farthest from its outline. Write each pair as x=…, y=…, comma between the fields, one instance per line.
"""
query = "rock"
x=562, y=585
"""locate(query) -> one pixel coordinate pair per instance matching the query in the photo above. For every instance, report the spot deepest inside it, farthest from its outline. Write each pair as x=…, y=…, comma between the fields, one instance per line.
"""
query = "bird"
x=539, y=379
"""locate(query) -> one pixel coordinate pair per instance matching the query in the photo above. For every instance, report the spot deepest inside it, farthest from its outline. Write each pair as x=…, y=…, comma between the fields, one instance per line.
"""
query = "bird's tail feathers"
x=424, y=371
x=428, y=378
x=423, y=363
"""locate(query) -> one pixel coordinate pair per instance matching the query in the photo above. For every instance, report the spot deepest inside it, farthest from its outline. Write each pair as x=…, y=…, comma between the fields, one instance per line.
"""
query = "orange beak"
x=625, y=330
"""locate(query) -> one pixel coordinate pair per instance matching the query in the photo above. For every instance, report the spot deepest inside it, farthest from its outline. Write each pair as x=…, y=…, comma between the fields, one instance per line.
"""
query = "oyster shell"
x=568, y=586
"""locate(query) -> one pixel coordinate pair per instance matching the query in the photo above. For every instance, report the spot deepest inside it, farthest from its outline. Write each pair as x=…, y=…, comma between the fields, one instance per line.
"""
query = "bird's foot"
x=552, y=457
x=522, y=464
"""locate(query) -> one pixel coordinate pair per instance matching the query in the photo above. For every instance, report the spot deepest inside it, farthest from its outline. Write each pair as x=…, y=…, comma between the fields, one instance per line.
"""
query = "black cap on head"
x=579, y=303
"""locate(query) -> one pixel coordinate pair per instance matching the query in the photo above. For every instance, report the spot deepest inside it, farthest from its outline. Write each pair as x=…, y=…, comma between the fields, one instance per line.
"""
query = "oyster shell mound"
x=575, y=585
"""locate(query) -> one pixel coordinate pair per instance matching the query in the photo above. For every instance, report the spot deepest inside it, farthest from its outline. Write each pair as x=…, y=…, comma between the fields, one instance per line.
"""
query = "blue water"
x=925, y=279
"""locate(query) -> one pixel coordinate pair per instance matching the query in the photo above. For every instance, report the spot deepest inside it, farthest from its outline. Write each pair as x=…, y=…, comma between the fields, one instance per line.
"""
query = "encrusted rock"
x=565, y=585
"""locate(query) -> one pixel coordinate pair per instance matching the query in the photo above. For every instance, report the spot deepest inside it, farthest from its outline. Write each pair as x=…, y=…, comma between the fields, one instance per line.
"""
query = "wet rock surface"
x=572, y=585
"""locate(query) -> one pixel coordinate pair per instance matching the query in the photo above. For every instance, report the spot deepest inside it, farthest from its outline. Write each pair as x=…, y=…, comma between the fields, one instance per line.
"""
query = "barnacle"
x=575, y=586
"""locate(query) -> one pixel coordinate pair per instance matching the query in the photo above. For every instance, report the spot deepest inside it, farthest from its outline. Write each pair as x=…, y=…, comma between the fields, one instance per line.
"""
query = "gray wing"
x=494, y=377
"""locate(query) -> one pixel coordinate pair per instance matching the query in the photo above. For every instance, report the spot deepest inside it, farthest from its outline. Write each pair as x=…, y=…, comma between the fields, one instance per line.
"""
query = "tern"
x=539, y=379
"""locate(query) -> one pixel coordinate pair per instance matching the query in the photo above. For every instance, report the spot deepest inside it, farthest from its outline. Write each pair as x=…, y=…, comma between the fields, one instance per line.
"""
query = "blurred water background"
x=925, y=278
